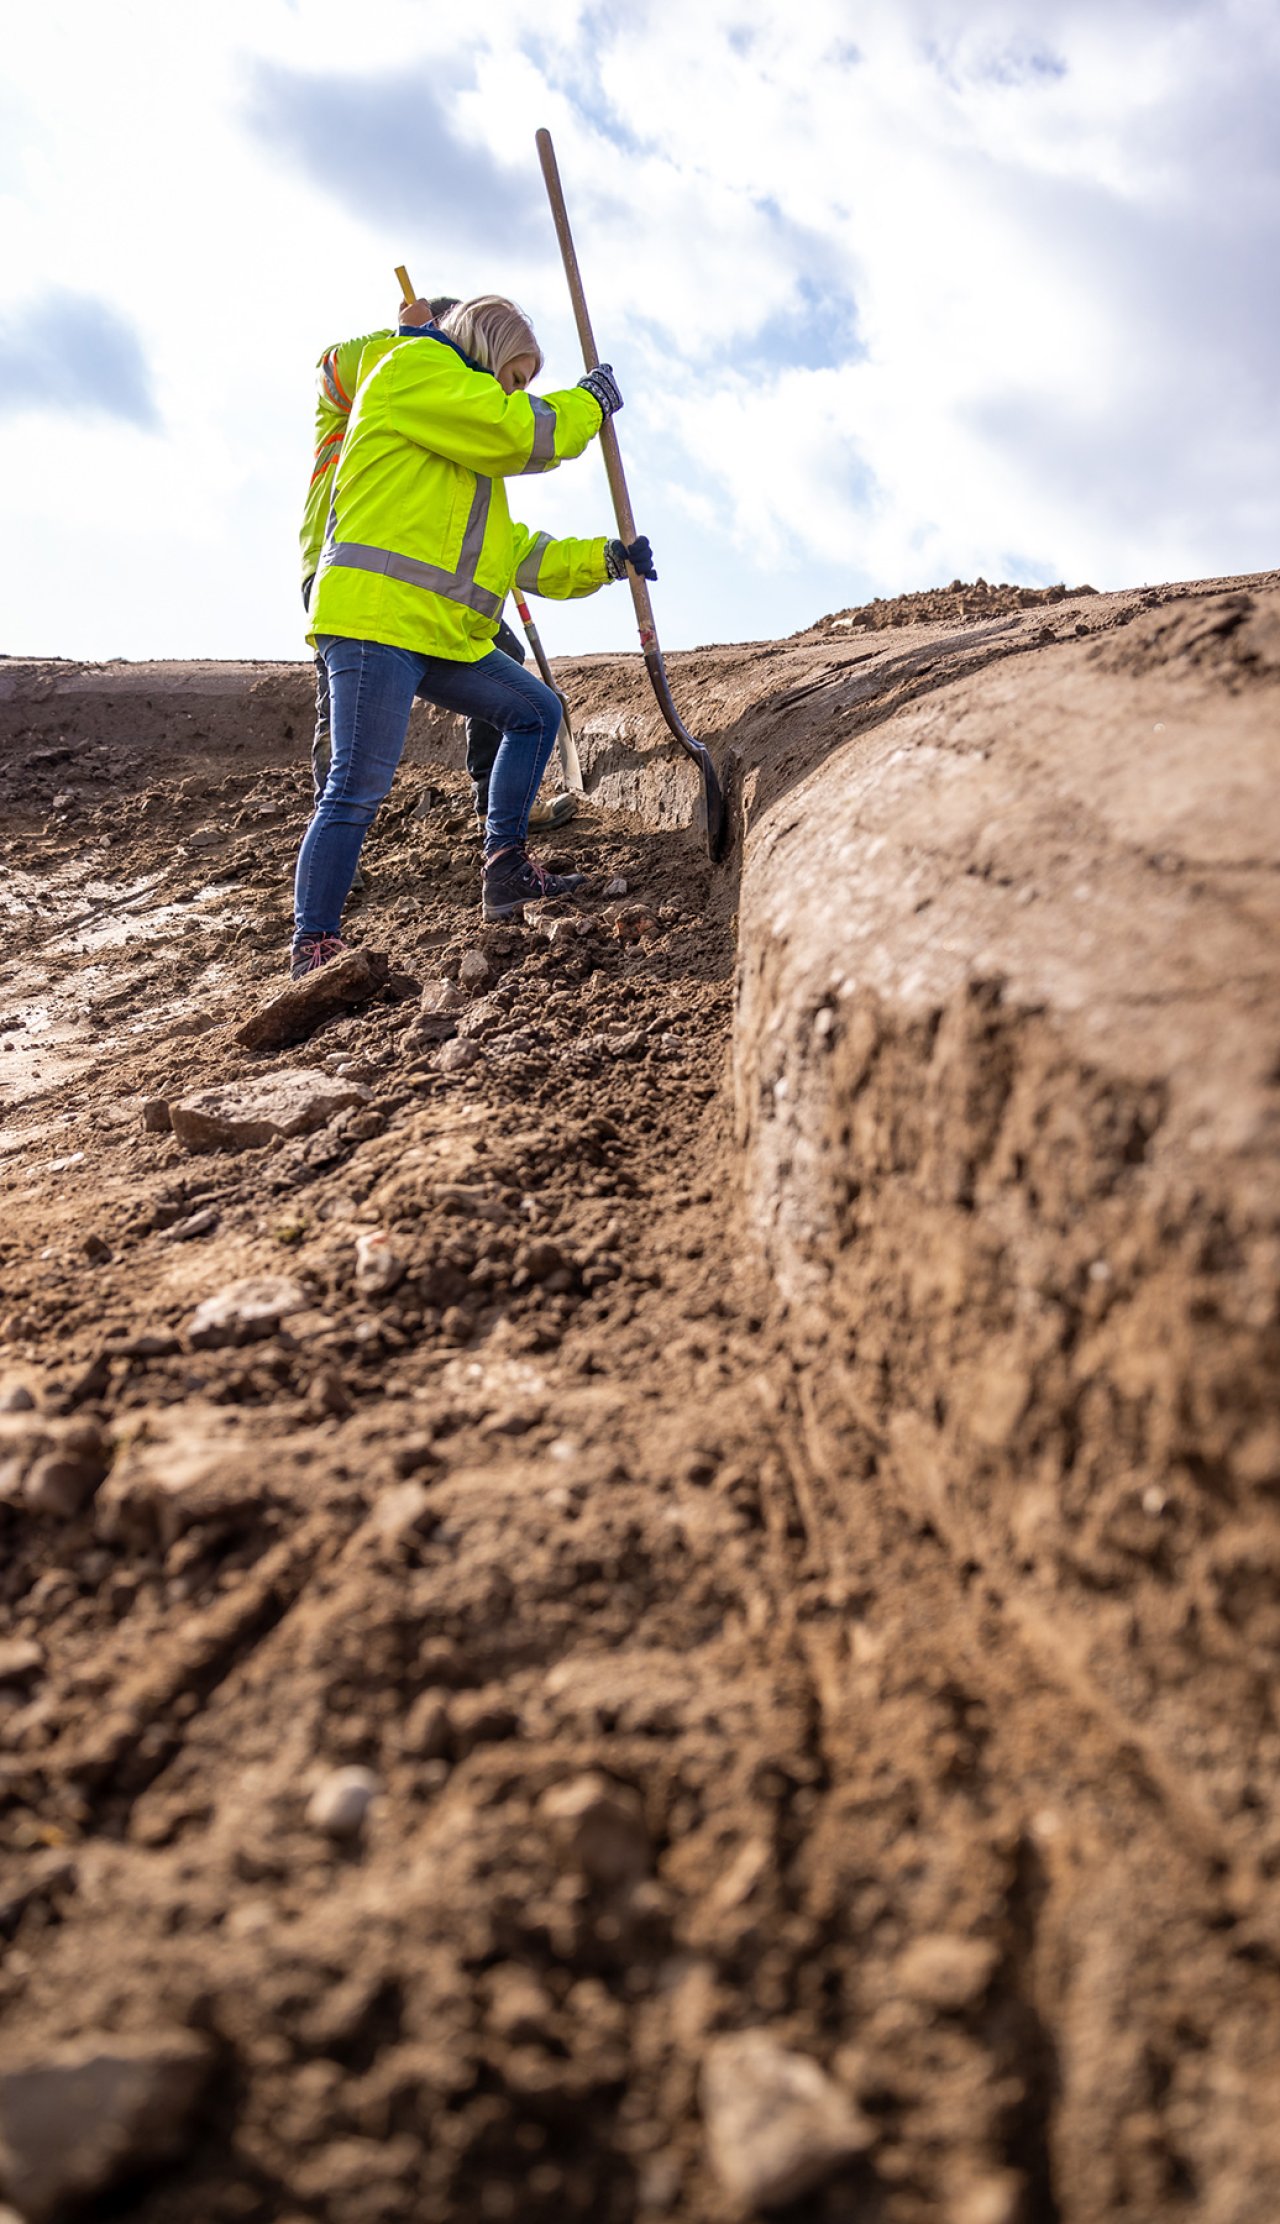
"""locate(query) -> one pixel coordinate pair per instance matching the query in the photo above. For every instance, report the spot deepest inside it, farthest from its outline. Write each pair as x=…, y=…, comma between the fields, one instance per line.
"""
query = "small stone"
x=17, y=1399
x=76, y=2121
x=602, y=1828
x=947, y=1972
x=379, y=1268
x=474, y=970
x=401, y=1515
x=429, y=1029
x=427, y=1729
x=458, y=1056
x=155, y=1116
x=245, y=1311
x=616, y=887
x=998, y=2199
x=243, y=1115
x=205, y=837
x=520, y=2009
x=329, y=1394
x=62, y=1483
x=200, y=1223
x=635, y=923
x=20, y=1659
x=341, y=1801
x=777, y=2126
x=96, y=1249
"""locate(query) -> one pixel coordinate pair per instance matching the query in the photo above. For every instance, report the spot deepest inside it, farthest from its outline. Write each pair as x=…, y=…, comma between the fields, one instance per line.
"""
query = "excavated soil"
x=537, y=1500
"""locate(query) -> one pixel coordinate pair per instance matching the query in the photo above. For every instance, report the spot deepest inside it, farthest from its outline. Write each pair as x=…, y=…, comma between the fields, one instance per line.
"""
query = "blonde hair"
x=492, y=331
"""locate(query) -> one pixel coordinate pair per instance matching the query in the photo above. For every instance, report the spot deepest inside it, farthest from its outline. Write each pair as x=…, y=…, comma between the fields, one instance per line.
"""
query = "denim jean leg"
x=484, y=739
x=371, y=691
x=528, y=714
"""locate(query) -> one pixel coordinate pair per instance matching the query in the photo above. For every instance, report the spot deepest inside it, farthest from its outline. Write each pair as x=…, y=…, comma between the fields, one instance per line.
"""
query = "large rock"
x=75, y=2121
x=1006, y=1082
x=302, y=1007
x=243, y=1115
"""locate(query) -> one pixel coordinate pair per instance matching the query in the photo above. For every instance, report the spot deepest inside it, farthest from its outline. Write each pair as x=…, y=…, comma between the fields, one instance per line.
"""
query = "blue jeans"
x=371, y=691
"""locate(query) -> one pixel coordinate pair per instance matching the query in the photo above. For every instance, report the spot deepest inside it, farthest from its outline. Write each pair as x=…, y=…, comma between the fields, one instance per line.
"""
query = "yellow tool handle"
x=406, y=290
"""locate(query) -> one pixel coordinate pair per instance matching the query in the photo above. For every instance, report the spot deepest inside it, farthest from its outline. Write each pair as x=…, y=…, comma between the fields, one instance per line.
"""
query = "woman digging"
x=420, y=554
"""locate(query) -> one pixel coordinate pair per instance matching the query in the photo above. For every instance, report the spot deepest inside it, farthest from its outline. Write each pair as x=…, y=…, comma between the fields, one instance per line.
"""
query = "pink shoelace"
x=325, y=947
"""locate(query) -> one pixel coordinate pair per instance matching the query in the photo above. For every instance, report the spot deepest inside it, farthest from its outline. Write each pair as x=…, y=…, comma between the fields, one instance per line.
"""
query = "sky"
x=896, y=291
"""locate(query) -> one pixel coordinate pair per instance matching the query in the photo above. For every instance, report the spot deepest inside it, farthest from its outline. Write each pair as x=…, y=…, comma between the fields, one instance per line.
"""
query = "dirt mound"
x=491, y=1619
x=944, y=606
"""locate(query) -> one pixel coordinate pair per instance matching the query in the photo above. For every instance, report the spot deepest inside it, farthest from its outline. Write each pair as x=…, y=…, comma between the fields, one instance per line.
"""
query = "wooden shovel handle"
x=608, y=437
x=402, y=279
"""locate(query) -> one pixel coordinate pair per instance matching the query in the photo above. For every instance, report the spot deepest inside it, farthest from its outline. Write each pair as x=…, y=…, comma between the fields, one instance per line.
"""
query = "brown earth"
x=716, y=1531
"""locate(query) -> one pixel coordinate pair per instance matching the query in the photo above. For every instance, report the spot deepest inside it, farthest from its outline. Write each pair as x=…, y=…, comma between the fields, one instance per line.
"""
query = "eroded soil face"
x=673, y=1722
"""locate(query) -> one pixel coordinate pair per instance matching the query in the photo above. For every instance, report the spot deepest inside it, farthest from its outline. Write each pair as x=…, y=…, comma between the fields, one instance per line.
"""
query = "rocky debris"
x=200, y=1223
x=443, y=995
x=20, y=1659
x=51, y=1466
x=600, y=1825
x=777, y=2126
x=458, y=1056
x=474, y=970
x=96, y=1249
x=298, y=1010
x=341, y=1801
x=945, y=605
x=947, y=1972
x=155, y=1116
x=16, y=1398
x=379, y=1266
x=77, y=2120
x=428, y=1030
x=156, y=1492
x=615, y=887
x=245, y=1311
x=243, y=1115
x=634, y=923
x=427, y=1729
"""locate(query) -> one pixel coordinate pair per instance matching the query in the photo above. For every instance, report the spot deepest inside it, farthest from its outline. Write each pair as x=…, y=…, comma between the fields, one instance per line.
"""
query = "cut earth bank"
x=770, y=1486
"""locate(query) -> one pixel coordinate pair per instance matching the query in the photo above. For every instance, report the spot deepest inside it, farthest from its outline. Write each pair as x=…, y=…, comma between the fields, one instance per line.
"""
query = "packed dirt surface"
x=637, y=1569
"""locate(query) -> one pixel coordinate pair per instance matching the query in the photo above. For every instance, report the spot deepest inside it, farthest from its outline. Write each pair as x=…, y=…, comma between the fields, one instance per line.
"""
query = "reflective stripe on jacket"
x=338, y=373
x=421, y=548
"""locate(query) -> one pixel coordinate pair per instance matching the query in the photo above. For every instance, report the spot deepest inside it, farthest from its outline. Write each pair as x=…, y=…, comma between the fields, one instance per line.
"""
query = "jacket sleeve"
x=464, y=415
x=560, y=570
x=337, y=374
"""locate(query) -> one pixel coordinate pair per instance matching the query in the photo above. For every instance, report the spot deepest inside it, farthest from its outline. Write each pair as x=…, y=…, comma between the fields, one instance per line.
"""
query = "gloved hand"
x=602, y=383
x=618, y=554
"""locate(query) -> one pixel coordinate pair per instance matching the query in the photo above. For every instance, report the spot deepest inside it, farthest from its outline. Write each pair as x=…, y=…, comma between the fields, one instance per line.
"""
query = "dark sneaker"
x=513, y=879
x=313, y=951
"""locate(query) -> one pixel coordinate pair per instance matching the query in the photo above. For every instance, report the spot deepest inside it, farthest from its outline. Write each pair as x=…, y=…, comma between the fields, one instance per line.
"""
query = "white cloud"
x=1053, y=225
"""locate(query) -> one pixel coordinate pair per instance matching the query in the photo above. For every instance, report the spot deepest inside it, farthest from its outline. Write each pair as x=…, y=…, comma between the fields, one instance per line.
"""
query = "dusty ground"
x=678, y=1718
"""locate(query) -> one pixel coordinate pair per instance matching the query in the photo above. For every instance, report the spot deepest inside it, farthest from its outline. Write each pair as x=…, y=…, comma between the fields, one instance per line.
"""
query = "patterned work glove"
x=604, y=386
x=617, y=555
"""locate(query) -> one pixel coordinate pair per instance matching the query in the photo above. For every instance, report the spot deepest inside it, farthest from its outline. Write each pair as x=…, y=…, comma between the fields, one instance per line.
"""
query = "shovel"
x=566, y=746
x=717, y=821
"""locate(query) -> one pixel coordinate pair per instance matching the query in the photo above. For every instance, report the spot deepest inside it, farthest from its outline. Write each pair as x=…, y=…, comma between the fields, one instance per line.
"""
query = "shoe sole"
x=504, y=911
x=556, y=813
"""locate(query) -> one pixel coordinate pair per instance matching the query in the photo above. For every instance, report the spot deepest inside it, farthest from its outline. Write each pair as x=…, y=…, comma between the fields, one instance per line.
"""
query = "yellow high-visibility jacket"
x=338, y=373
x=421, y=549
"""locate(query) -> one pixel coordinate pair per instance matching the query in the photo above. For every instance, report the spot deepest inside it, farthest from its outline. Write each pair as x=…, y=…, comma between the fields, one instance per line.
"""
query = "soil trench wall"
x=1007, y=1093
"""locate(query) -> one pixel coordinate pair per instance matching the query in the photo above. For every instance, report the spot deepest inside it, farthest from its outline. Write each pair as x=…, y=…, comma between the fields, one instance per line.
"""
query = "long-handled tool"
x=713, y=794
x=566, y=746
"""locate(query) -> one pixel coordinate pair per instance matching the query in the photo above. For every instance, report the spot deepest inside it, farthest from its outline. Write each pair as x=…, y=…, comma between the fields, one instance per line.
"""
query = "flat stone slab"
x=302, y=1007
x=243, y=1115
